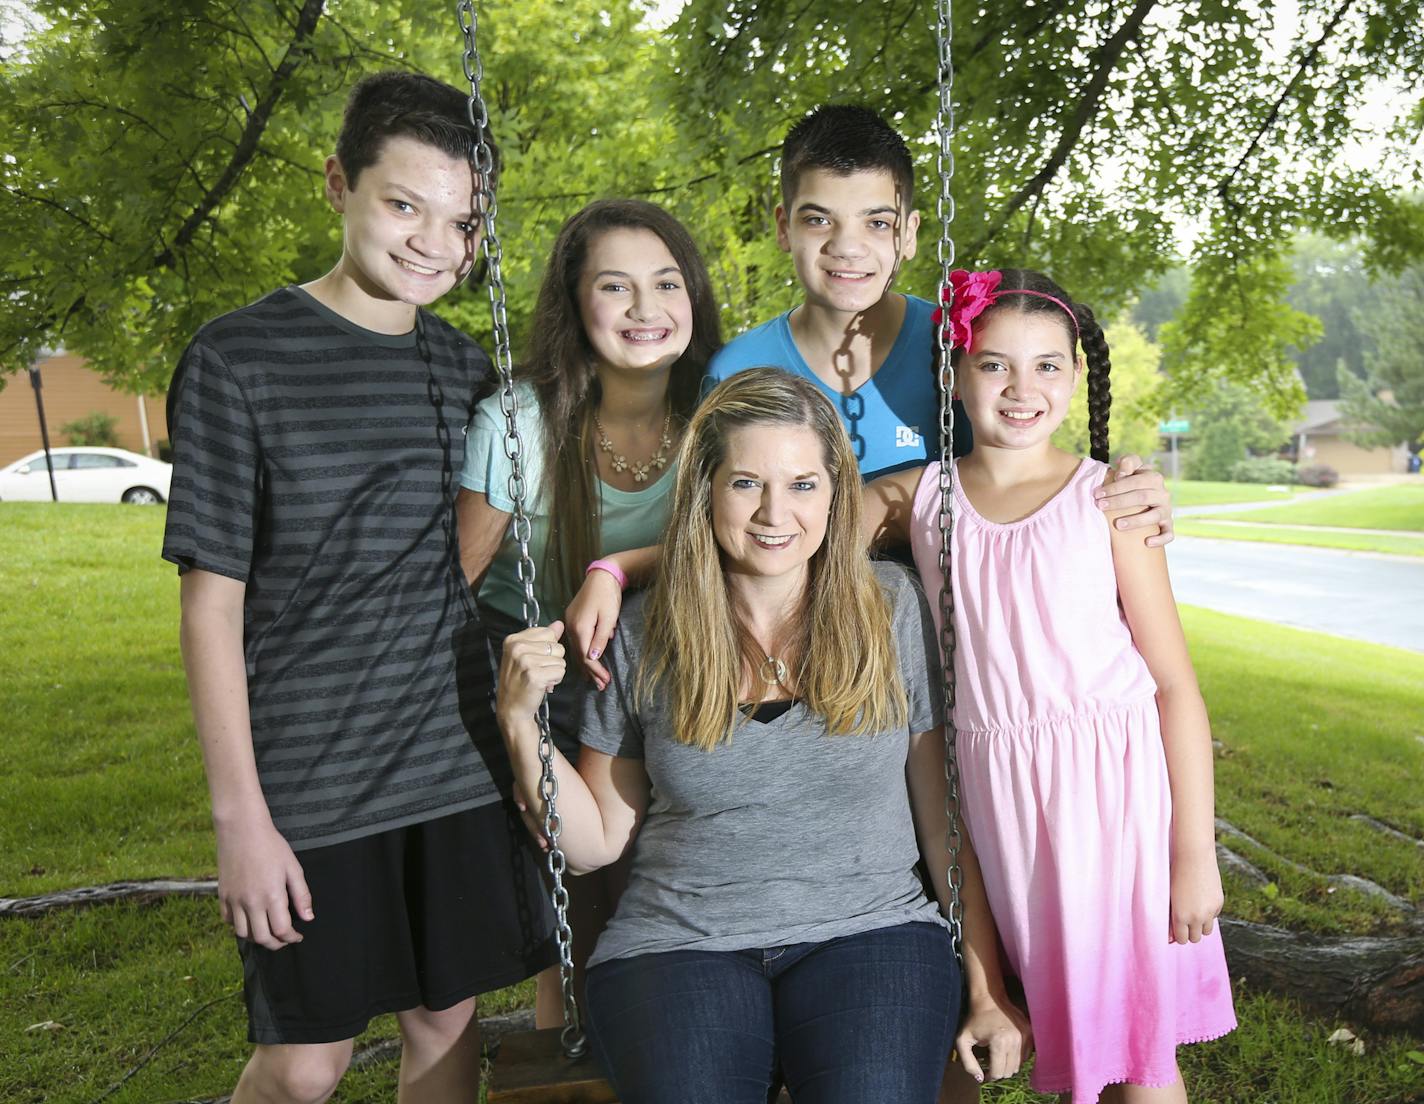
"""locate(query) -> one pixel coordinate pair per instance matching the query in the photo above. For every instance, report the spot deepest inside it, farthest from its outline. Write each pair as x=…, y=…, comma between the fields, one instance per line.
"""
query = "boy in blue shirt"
x=847, y=219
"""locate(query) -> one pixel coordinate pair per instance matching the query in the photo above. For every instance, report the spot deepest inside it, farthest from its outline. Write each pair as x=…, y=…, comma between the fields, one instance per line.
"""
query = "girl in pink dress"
x=1083, y=744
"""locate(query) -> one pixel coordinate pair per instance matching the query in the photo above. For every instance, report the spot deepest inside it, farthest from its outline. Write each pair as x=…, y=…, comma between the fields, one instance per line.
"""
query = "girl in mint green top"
x=626, y=519
x=623, y=329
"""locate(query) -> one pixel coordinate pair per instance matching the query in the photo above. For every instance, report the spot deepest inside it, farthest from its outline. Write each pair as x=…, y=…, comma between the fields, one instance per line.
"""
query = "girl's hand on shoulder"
x=1138, y=488
x=1000, y=1026
x=1196, y=898
x=592, y=617
x=533, y=664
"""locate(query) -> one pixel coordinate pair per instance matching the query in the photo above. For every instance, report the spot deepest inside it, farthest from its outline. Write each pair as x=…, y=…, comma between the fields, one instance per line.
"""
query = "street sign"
x=1175, y=426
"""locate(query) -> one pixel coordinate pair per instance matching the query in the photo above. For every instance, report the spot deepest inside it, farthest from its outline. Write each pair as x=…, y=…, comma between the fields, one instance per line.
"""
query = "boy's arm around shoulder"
x=1137, y=497
x=258, y=873
x=1151, y=612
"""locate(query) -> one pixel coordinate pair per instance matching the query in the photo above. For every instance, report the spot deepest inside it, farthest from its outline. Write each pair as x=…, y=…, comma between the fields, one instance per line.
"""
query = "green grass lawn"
x=1399, y=506
x=1314, y=729
x=1195, y=492
x=101, y=778
x=97, y=757
x=1384, y=541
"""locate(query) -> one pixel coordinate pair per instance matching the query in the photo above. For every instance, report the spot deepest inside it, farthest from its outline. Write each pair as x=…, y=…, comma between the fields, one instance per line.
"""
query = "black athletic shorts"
x=424, y=915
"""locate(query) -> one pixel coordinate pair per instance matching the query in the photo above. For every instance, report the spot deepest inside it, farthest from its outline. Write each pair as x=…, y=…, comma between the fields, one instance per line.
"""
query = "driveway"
x=1355, y=594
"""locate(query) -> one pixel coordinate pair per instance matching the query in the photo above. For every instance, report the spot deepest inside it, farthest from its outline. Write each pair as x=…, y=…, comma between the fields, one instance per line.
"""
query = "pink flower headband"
x=970, y=294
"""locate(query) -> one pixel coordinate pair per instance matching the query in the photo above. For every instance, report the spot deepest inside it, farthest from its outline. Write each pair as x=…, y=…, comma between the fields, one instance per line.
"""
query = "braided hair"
x=1090, y=334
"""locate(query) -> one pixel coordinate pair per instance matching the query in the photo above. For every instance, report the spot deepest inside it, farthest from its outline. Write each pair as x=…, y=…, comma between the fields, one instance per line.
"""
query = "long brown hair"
x=698, y=652
x=559, y=365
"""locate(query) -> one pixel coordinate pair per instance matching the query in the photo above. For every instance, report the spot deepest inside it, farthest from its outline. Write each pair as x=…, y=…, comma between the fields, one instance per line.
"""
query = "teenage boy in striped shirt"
x=366, y=860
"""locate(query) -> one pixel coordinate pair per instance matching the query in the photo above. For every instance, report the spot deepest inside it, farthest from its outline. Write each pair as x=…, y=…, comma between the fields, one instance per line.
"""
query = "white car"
x=87, y=475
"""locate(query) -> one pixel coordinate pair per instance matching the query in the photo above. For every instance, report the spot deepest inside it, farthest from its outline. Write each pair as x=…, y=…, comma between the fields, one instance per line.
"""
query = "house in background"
x=1319, y=438
x=71, y=391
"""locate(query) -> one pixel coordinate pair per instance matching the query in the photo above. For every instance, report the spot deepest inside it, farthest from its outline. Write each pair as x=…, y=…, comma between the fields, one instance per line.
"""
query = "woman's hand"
x=533, y=664
x=592, y=617
x=996, y=1023
x=1196, y=897
x=1136, y=485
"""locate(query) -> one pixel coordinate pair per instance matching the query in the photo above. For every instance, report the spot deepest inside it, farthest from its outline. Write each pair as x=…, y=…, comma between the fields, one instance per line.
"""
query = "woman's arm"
x=993, y=1021
x=601, y=803
x=889, y=502
x=1146, y=594
x=593, y=614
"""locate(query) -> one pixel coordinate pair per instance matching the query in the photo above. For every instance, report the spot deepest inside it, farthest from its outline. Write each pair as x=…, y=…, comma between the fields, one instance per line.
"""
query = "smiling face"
x=633, y=301
x=409, y=225
x=1017, y=378
x=771, y=500
x=847, y=234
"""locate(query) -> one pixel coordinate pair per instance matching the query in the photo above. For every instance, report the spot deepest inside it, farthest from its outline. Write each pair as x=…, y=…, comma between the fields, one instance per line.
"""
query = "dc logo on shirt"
x=907, y=436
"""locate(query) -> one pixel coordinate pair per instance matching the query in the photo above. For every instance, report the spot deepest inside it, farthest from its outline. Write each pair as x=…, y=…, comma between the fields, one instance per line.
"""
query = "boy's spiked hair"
x=398, y=104
x=842, y=139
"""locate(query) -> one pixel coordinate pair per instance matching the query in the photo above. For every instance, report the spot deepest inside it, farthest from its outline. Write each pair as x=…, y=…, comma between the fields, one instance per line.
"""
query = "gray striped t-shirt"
x=317, y=462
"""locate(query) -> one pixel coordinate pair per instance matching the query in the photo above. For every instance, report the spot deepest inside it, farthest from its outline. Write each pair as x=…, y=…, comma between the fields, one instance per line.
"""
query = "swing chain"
x=482, y=159
x=944, y=207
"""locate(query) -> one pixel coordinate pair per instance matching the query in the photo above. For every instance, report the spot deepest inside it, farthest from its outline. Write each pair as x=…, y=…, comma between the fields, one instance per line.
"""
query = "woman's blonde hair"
x=698, y=653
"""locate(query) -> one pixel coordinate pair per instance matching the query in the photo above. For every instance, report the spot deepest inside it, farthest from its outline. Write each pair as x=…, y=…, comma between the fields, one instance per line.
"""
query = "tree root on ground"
x=157, y=889
x=1254, y=875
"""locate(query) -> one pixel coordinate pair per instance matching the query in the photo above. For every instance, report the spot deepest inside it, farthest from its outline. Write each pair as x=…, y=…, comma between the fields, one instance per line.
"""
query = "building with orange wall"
x=71, y=391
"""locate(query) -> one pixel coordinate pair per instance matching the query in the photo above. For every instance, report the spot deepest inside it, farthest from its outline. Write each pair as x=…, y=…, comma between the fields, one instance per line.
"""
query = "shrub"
x=97, y=430
x=1220, y=445
x=1262, y=469
x=1318, y=475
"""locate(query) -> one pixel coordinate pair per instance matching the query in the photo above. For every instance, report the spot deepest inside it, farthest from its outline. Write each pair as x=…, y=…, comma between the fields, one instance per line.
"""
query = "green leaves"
x=1208, y=130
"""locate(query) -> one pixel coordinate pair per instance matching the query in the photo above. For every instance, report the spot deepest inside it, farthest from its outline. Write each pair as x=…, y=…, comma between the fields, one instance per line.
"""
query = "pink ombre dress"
x=1065, y=792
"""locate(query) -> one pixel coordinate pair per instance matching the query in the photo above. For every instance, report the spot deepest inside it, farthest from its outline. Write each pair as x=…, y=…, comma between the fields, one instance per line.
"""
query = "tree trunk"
x=1372, y=981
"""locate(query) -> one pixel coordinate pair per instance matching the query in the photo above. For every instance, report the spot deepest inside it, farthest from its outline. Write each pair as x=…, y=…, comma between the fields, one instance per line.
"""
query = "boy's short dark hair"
x=397, y=104
x=845, y=138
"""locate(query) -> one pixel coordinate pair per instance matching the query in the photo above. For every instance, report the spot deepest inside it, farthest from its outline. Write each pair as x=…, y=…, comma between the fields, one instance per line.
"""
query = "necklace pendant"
x=640, y=473
x=773, y=671
x=659, y=461
x=619, y=463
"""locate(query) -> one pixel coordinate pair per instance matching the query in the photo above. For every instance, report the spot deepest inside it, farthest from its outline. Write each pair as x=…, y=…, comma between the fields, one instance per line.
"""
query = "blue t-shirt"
x=892, y=418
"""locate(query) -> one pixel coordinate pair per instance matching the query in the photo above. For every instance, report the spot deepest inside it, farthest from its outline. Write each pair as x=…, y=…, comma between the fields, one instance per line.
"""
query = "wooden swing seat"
x=530, y=1068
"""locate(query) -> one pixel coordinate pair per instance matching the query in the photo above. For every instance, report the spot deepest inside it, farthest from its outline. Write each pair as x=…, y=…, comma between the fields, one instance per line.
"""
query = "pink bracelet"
x=612, y=568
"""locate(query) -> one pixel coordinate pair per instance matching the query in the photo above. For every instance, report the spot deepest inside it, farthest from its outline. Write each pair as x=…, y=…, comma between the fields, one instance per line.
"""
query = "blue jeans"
x=867, y=1019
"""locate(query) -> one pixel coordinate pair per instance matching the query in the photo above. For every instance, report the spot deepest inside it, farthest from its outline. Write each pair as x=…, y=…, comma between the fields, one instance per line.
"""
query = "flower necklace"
x=620, y=463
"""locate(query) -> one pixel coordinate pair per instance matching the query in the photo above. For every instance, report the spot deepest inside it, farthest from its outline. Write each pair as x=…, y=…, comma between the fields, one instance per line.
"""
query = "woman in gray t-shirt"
x=771, y=741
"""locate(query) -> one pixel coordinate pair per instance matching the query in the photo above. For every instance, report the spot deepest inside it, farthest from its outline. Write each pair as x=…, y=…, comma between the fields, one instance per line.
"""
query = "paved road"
x=1362, y=596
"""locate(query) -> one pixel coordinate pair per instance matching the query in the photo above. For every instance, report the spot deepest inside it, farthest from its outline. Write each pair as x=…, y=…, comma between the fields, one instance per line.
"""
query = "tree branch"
x=252, y=133
x=1105, y=62
x=62, y=209
x=1223, y=189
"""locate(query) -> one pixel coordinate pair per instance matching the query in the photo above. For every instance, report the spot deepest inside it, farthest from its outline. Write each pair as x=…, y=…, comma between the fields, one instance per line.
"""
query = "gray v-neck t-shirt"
x=782, y=835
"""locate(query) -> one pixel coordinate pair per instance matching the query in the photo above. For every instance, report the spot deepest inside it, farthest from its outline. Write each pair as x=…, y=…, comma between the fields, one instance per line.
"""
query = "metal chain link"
x=944, y=207
x=482, y=159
